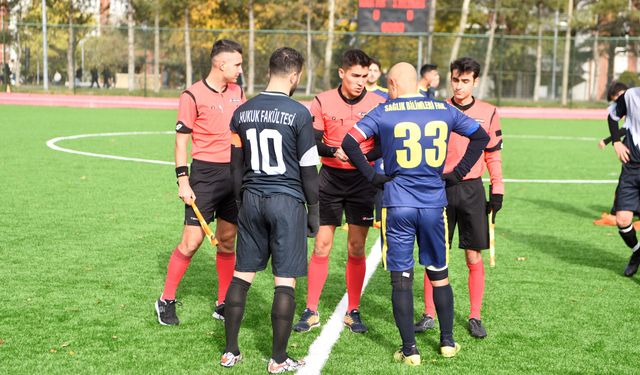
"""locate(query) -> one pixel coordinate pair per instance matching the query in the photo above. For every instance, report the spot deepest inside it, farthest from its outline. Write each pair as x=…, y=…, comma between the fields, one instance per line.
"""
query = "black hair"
x=225, y=45
x=374, y=61
x=616, y=87
x=426, y=68
x=284, y=61
x=465, y=65
x=355, y=57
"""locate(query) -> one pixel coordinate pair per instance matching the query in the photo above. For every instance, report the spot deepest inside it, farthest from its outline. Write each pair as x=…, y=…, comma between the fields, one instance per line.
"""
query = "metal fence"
x=100, y=57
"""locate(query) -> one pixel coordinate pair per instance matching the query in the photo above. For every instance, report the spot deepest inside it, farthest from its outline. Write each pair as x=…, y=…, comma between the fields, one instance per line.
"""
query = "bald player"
x=414, y=132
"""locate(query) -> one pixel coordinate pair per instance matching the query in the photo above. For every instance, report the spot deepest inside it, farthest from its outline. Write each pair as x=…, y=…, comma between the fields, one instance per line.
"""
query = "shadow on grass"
x=565, y=208
x=574, y=252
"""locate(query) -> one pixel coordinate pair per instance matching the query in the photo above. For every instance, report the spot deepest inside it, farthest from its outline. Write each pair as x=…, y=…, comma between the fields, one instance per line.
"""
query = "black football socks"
x=282, y=311
x=443, y=299
x=235, y=302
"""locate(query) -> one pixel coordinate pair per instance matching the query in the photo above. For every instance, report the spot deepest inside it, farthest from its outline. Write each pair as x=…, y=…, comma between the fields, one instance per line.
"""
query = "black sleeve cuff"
x=613, y=129
x=352, y=148
x=323, y=149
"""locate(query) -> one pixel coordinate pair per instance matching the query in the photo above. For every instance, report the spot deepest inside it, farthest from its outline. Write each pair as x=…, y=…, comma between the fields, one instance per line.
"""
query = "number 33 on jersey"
x=413, y=132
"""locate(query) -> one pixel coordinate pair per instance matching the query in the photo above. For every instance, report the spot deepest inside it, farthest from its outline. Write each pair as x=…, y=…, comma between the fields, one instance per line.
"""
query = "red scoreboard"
x=393, y=16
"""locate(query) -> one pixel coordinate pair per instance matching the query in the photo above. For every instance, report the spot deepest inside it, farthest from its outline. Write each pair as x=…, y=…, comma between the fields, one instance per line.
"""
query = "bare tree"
x=596, y=63
x=328, y=52
x=487, y=56
x=131, y=47
x=156, y=47
x=432, y=22
x=308, y=87
x=70, y=45
x=536, y=85
x=567, y=54
x=251, y=76
x=463, y=24
x=187, y=49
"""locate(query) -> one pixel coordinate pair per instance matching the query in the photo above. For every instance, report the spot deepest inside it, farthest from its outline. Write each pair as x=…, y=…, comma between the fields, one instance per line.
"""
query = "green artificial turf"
x=85, y=241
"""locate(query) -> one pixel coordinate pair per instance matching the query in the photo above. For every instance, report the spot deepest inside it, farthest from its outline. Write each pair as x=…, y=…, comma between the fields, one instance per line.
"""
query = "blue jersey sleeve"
x=462, y=124
x=368, y=125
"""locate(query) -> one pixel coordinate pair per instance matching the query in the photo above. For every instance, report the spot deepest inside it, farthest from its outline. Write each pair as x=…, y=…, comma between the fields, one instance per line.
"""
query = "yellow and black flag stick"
x=205, y=227
x=492, y=242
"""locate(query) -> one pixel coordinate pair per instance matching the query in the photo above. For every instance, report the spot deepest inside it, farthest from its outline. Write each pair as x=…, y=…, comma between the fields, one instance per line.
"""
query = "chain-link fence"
x=100, y=59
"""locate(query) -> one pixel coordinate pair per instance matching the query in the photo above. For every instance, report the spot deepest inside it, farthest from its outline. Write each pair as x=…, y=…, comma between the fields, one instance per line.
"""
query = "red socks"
x=356, y=268
x=178, y=264
x=429, y=306
x=318, y=271
x=225, y=264
x=476, y=288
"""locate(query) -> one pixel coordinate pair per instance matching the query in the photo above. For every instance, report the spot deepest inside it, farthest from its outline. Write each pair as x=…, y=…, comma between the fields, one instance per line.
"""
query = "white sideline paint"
x=321, y=347
x=52, y=145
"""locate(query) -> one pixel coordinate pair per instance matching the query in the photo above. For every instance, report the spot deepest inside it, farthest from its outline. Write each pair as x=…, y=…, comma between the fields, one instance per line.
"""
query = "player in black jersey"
x=626, y=103
x=273, y=166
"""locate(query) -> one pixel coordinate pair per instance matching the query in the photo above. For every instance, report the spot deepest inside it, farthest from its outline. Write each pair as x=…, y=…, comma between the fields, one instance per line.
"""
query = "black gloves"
x=452, y=178
x=380, y=179
x=494, y=205
x=313, y=219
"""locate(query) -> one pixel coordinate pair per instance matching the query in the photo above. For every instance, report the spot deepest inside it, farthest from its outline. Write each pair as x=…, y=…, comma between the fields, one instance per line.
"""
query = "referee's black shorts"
x=348, y=190
x=628, y=190
x=272, y=226
x=211, y=183
x=467, y=209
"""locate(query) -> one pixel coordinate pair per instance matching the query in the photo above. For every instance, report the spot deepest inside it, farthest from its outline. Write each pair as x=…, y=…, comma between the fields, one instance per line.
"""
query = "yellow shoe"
x=377, y=224
x=345, y=227
x=411, y=360
x=450, y=351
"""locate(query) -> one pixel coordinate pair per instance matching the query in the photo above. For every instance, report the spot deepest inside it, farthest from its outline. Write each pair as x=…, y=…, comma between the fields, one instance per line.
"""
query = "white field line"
x=52, y=144
x=515, y=180
x=321, y=348
x=552, y=137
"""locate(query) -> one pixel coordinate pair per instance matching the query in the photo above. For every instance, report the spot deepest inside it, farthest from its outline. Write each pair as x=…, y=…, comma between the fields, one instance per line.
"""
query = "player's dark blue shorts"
x=401, y=226
x=628, y=190
x=272, y=227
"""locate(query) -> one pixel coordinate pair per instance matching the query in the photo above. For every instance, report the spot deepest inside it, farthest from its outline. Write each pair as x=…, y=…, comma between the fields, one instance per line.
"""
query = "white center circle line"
x=52, y=145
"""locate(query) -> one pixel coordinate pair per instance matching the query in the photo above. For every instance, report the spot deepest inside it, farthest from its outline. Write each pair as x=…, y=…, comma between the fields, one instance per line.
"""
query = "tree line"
x=179, y=34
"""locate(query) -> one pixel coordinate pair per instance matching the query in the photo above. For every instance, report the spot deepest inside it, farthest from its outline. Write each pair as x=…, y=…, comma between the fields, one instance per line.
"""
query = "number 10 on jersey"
x=411, y=156
x=261, y=157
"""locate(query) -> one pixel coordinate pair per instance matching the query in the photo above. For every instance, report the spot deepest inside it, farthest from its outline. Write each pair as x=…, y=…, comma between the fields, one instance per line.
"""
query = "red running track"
x=94, y=101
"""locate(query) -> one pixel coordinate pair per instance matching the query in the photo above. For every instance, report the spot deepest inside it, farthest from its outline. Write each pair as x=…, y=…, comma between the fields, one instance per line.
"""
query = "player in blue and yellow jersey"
x=414, y=132
x=429, y=80
x=375, y=72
